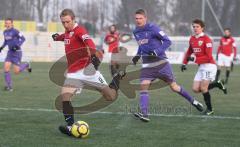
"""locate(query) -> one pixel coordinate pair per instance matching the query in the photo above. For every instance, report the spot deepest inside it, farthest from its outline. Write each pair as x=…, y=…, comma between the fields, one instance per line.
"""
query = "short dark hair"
x=227, y=29
x=67, y=12
x=141, y=11
x=113, y=25
x=200, y=22
x=9, y=19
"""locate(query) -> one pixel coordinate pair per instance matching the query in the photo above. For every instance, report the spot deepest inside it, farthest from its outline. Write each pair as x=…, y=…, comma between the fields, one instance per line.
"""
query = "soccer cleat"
x=138, y=114
x=29, y=68
x=116, y=80
x=197, y=105
x=208, y=112
x=65, y=130
x=145, y=119
x=141, y=117
x=6, y=88
x=221, y=86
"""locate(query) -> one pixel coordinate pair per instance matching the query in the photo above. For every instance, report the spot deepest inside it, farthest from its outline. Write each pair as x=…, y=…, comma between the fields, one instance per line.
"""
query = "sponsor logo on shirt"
x=196, y=50
x=225, y=43
x=200, y=43
x=66, y=41
x=143, y=41
x=8, y=37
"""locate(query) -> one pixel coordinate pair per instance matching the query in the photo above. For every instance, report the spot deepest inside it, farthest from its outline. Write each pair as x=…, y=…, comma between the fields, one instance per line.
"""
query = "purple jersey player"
x=13, y=39
x=153, y=43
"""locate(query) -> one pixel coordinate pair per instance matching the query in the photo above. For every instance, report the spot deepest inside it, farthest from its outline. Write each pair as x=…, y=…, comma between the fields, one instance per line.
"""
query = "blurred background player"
x=82, y=67
x=226, y=53
x=112, y=39
x=200, y=52
x=153, y=43
x=13, y=39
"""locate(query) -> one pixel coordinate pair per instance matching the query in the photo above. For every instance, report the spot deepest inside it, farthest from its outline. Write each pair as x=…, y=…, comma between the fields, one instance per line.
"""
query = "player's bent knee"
x=6, y=69
x=175, y=87
x=16, y=72
x=196, y=90
x=66, y=96
x=110, y=97
x=109, y=94
x=204, y=89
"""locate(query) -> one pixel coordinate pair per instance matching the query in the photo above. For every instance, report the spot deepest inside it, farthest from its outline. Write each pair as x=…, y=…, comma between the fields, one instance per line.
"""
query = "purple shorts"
x=14, y=56
x=162, y=71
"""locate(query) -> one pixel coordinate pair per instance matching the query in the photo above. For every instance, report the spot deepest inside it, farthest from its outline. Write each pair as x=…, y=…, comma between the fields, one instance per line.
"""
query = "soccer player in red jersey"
x=200, y=52
x=112, y=39
x=82, y=67
x=226, y=53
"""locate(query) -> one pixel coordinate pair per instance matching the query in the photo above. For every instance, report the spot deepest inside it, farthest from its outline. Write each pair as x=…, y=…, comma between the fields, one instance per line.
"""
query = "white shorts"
x=86, y=77
x=224, y=60
x=206, y=71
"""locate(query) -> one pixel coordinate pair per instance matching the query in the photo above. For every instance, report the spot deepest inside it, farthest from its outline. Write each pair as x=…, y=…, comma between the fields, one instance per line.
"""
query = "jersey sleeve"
x=139, y=49
x=234, y=48
x=166, y=42
x=21, y=38
x=60, y=37
x=188, y=53
x=219, y=47
x=84, y=36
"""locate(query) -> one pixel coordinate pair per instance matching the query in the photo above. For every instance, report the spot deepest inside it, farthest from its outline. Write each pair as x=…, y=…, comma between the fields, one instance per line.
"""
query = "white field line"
x=125, y=113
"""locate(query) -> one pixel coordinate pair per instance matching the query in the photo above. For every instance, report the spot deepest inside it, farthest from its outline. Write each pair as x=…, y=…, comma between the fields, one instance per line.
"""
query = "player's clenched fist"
x=135, y=59
x=54, y=36
x=183, y=67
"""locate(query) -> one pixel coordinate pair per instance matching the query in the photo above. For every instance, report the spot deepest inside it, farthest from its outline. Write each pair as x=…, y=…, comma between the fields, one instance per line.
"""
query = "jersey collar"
x=75, y=25
x=199, y=35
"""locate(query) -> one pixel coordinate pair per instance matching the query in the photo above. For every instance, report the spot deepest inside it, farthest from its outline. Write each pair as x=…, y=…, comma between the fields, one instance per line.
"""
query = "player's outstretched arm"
x=3, y=45
x=57, y=37
x=21, y=39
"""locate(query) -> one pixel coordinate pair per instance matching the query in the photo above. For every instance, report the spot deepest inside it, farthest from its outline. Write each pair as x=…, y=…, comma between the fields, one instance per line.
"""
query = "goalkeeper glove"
x=183, y=67
x=1, y=48
x=135, y=59
x=54, y=36
x=190, y=58
x=95, y=61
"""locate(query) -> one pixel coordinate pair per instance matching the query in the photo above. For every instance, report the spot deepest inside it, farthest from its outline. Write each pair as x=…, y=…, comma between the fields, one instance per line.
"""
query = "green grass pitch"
x=28, y=117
